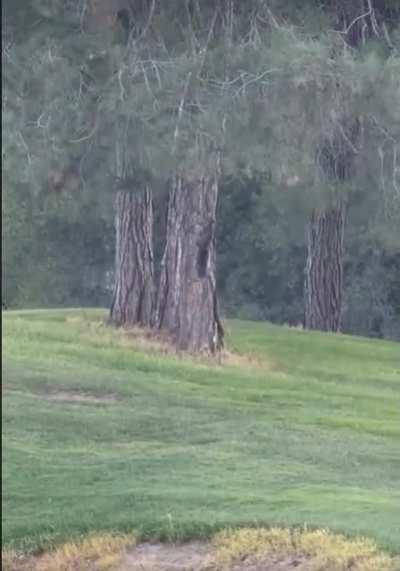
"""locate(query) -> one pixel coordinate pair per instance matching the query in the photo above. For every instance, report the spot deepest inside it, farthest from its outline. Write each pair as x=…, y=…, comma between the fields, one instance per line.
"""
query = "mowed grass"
x=101, y=434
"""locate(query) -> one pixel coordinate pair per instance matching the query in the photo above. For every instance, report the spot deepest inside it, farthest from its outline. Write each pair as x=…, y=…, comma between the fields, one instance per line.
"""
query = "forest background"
x=69, y=89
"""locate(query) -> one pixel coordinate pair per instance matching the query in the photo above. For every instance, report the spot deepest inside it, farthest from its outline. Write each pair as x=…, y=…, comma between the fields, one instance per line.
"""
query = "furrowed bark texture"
x=134, y=294
x=187, y=299
x=324, y=269
x=325, y=233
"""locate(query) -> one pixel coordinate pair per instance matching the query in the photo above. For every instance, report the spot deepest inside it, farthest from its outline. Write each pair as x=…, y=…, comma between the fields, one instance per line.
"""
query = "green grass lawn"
x=306, y=432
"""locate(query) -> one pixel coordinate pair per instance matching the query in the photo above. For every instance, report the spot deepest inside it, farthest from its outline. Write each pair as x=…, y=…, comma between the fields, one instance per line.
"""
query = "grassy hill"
x=102, y=432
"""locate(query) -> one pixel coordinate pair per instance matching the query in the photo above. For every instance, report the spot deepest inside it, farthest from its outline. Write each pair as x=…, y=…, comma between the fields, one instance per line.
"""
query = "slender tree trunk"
x=187, y=299
x=324, y=269
x=133, y=299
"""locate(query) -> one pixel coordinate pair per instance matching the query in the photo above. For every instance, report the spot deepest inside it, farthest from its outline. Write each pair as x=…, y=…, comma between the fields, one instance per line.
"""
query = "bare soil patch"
x=247, y=360
x=198, y=556
x=275, y=563
x=194, y=556
x=68, y=396
x=80, y=397
x=159, y=342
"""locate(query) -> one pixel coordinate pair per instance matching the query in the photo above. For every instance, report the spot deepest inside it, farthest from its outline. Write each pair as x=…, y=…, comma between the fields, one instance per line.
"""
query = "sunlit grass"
x=106, y=430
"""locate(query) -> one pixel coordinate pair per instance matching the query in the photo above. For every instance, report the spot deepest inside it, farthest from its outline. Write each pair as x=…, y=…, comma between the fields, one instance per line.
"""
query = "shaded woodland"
x=186, y=161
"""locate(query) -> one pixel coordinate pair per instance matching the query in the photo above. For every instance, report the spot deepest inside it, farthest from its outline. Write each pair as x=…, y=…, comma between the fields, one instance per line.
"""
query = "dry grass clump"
x=92, y=553
x=251, y=549
x=10, y=559
x=100, y=333
x=324, y=551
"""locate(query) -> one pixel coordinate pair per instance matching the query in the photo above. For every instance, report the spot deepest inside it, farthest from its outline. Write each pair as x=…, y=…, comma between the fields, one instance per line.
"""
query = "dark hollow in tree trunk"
x=187, y=299
x=324, y=269
x=134, y=294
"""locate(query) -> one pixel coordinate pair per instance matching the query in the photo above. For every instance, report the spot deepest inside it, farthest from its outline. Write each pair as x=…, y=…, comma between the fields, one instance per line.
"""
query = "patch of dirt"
x=79, y=397
x=161, y=343
x=274, y=563
x=194, y=556
x=147, y=339
x=68, y=396
x=197, y=556
x=248, y=360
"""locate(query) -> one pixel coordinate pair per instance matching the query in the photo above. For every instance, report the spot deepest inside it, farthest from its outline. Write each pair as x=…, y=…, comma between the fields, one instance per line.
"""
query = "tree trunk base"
x=134, y=293
x=324, y=269
x=187, y=304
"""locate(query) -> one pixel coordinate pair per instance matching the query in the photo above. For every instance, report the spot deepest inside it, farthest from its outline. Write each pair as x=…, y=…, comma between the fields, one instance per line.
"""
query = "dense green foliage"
x=261, y=245
x=267, y=85
x=104, y=434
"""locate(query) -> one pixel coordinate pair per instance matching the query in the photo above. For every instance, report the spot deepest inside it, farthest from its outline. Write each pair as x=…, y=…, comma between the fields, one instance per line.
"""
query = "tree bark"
x=324, y=269
x=187, y=304
x=134, y=293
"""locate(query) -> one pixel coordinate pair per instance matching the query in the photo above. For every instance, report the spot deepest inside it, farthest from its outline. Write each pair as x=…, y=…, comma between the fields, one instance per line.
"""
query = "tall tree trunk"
x=362, y=21
x=187, y=299
x=325, y=232
x=324, y=269
x=134, y=294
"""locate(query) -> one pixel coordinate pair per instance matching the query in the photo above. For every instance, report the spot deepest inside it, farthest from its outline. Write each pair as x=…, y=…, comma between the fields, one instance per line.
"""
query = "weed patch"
x=95, y=552
x=274, y=549
x=318, y=550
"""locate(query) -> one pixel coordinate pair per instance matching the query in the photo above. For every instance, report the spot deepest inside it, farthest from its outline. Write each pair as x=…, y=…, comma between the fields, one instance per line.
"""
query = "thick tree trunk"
x=324, y=269
x=134, y=294
x=187, y=299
